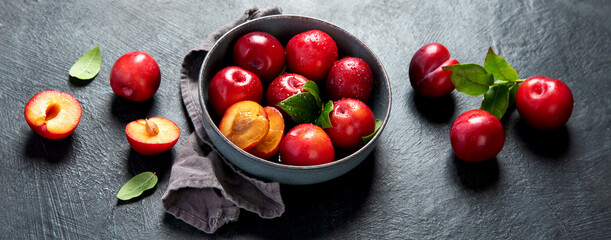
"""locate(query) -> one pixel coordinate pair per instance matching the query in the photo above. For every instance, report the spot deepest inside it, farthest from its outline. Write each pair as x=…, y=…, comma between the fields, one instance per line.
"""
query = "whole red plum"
x=425, y=71
x=350, y=77
x=351, y=120
x=284, y=86
x=231, y=85
x=260, y=53
x=305, y=145
x=311, y=54
x=477, y=135
x=544, y=103
x=135, y=76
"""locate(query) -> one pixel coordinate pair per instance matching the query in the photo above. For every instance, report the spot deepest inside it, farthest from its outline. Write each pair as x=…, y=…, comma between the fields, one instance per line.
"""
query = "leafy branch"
x=475, y=80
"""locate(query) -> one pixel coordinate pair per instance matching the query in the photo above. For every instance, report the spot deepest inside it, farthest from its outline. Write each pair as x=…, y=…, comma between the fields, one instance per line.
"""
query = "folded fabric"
x=205, y=190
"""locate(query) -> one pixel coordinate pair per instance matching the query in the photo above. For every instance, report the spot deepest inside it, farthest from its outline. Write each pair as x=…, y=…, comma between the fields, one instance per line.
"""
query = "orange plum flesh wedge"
x=269, y=146
x=245, y=124
x=53, y=114
x=152, y=136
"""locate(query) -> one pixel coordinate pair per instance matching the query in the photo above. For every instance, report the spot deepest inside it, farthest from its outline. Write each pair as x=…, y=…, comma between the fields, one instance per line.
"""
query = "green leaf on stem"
x=499, y=68
x=137, y=185
x=496, y=100
x=470, y=78
x=324, y=121
x=368, y=138
x=302, y=107
x=311, y=87
x=88, y=66
x=513, y=89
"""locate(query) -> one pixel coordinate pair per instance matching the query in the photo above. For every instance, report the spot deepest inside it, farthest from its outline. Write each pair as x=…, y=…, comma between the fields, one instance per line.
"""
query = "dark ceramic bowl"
x=284, y=27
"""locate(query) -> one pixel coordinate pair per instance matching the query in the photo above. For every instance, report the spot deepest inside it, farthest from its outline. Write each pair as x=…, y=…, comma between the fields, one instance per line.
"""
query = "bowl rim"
x=268, y=163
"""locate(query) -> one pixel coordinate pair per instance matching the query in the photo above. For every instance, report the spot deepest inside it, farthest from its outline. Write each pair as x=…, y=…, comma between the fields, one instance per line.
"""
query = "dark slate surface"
x=543, y=185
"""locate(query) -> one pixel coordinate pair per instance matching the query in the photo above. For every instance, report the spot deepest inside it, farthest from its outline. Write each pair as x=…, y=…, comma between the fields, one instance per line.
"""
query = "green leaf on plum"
x=470, y=78
x=301, y=107
x=324, y=121
x=513, y=90
x=88, y=66
x=137, y=185
x=496, y=100
x=312, y=87
x=368, y=138
x=498, y=67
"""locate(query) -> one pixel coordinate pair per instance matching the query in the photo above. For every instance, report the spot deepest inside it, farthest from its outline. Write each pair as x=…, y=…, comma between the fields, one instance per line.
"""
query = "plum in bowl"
x=284, y=27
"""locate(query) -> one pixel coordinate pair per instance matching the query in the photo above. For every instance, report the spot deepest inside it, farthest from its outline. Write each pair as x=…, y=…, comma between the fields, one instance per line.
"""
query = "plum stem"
x=504, y=82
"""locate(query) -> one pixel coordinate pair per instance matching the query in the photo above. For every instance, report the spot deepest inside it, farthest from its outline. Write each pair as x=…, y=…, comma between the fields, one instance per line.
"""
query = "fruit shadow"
x=51, y=151
x=549, y=144
x=311, y=211
x=475, y=176
x=80, y=82
x=126, y=111
x=507, y=116
x=434, y=110
x=159, y=164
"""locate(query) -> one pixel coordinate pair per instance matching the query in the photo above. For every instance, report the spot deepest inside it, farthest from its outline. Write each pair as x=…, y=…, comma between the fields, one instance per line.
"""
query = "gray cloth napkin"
x=205, y=190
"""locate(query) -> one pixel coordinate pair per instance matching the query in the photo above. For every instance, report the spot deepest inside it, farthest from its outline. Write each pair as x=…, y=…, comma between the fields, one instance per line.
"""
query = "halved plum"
x=245, y=124
x=152, y=136
x=53, y=114
x=268, y=147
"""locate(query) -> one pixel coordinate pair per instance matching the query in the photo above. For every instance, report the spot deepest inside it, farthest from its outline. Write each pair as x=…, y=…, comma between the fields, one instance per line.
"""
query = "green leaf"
x=311, y=87
x=302, y=107
x=323, y=120
x=137, y=185
x=470, y=78
x=513, y=90
x=88, y=66
x=496, y=100
x=499, y=68
x=367, y=138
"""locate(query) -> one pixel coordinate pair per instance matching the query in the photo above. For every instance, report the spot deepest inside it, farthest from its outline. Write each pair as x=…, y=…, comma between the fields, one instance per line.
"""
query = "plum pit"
x=52, y=111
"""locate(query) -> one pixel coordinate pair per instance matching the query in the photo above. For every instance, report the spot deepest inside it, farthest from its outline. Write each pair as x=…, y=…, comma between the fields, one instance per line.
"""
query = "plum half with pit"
x=152, y=136
x=245, y=124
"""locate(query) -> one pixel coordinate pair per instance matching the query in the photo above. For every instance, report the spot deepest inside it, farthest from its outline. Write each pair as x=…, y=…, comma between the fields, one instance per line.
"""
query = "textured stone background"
x=543, y=185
